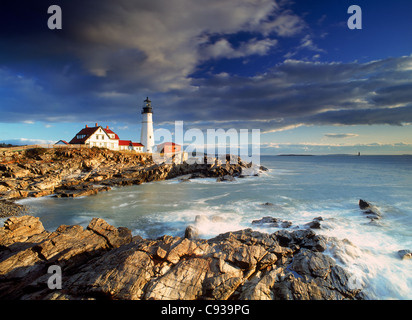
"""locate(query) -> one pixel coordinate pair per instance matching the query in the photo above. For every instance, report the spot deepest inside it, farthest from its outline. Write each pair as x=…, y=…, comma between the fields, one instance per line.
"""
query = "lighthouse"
x=146, y=136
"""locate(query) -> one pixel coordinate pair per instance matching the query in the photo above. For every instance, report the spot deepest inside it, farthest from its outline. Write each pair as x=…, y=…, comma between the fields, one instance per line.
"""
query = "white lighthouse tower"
x=146, y=136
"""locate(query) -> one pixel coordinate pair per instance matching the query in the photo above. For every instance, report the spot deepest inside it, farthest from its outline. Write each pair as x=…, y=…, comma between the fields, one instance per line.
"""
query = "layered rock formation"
x=82, y=172
x=104, y=262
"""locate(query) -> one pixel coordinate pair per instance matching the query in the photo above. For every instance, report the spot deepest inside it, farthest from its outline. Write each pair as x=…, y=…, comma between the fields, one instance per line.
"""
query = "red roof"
x=108, y=131
x=129, y=143
x=124, y=142
x=88, y=131
x=137, y=144
x=64, y=141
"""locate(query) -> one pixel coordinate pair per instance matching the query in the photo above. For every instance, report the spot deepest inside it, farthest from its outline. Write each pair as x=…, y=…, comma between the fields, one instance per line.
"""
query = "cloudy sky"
x=292, y=69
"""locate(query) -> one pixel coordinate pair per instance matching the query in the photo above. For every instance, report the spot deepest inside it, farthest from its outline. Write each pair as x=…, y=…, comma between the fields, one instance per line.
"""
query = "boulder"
x=114, y=236
x=191, y=232
x=19, y=229
x=183, y=282
x=405, y=254
x=314, y=224
x=371, y=211
x=313, y=276
x=119, y=274
x=226, y=178
x=272, y=222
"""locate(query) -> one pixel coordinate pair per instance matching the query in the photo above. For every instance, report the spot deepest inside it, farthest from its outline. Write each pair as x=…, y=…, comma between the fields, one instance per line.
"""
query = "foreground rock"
x=104, y=262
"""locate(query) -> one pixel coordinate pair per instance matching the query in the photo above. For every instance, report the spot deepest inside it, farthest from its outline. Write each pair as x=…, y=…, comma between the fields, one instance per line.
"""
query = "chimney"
x=107, y=127
x=96, y=124
x=87, y=126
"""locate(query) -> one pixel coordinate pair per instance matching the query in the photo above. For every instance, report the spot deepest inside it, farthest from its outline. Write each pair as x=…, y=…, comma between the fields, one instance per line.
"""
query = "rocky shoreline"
x=82, y=172
x=105, y=262
x=9, y=209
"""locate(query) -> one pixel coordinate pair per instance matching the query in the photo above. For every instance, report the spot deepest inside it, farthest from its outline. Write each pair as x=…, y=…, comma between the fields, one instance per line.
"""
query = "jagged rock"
x=311, y=278
x=103, y=262
x=225, y=178
x=69, y=245
x=19, y=229
x=222, y=279
x=39, y=172
x=184, y=247
x=370, y=210
x=89, y=190
x=272, y=222
x=114, y=236
x=405, y=254
x=191, y=232
x=183, y=282
x=314, y=224
x=120, y=274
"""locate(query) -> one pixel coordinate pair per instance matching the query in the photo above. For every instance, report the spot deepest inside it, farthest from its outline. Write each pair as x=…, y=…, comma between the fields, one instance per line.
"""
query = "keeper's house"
x=98, y=136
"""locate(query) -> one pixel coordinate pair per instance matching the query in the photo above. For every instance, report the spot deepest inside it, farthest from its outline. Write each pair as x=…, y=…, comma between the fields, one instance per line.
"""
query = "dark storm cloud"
x=297, y=93
x=391, y=116
x=108, y=57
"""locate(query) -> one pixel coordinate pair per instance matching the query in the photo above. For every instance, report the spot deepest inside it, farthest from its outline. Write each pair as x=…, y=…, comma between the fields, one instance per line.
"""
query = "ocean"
x=296, y=189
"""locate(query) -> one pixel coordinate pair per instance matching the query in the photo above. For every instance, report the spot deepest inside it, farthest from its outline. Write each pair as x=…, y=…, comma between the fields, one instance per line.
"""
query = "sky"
x=293, y=69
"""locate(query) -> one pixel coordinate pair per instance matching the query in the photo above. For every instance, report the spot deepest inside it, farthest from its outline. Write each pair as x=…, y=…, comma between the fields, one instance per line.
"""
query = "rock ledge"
x=105, y=262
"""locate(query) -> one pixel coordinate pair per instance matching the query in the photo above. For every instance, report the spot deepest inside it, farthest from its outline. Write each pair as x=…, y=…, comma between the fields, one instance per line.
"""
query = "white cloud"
x=223, y=49
x=285, y=25
x=306, y=43
x=164, y=41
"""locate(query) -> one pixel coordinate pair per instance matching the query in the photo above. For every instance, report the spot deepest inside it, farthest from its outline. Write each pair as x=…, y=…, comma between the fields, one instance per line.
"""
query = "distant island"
x=7, y=145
